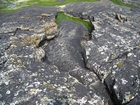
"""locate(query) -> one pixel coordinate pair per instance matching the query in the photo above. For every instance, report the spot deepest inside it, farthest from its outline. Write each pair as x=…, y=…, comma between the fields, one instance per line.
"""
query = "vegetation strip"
x=13, y=5
x=19, y=4
x=61, y=16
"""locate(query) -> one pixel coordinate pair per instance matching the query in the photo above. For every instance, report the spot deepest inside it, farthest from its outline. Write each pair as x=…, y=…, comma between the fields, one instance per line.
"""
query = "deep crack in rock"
x=76, y=69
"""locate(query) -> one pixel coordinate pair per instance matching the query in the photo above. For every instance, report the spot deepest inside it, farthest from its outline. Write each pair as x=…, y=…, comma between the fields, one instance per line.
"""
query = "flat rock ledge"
x=44, y=63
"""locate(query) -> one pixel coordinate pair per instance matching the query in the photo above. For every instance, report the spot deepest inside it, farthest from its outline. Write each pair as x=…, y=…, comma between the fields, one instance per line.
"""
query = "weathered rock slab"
x=49, y=64
x=26, y=79
x=113, y=52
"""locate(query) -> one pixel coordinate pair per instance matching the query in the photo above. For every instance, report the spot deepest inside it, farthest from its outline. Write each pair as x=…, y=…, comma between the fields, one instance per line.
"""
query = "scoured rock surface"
x=66, y=51
x=113, y=53
x=42, y=63
x=67, y=54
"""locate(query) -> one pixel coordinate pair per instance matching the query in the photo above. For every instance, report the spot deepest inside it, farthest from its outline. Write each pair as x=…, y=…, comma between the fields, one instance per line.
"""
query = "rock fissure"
x=60, y=64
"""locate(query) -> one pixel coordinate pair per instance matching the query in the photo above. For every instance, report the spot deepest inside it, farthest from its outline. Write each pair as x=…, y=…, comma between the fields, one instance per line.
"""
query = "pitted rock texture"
x=113, y=52
x=67, y=53
x=26, y=38
x=61, y=67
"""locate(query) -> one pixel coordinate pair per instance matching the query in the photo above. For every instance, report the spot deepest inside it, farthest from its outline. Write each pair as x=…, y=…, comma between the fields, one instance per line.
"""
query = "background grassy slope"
x=55, y=2
x=60, y=16
x=21, y=4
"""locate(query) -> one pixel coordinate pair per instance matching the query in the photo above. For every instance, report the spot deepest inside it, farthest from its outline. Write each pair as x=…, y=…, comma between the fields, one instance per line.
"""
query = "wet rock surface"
x=48, y=64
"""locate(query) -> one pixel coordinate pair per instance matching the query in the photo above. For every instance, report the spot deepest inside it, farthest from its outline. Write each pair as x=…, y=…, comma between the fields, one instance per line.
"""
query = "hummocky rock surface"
x=113, y=53
x=42, y=63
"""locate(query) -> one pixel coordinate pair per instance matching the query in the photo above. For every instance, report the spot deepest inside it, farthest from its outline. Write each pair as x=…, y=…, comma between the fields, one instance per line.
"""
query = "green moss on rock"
x=62, y=16
x=120, y=64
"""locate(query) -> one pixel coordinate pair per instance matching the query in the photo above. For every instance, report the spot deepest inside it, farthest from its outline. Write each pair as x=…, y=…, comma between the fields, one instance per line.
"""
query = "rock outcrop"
x=48, y=64
x=42, y=63
x=133, y=2
x=113, y=52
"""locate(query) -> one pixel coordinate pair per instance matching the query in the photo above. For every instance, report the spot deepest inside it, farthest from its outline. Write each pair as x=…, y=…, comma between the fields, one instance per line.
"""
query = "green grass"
x=51, y=3
x=5, y=9
x=40, y=2
x=123, y=4
x=2, y=5
x=61, y=16
x=8, y=10
x=54, y=2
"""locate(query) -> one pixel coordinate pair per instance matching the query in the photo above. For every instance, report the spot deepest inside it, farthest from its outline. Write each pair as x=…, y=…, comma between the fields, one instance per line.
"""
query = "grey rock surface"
x=133, y=2
x=45, y=64
x=26, y=80
x=67, y=53
x=113, y=52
